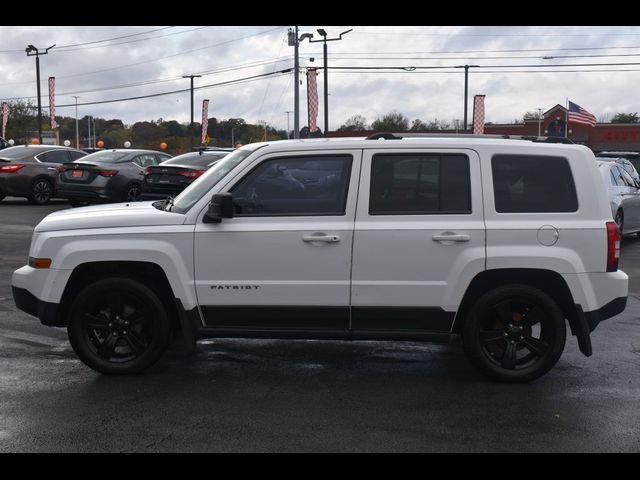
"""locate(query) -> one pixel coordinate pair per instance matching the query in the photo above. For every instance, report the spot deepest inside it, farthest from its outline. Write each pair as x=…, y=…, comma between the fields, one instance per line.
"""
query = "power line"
x=21, y=51
x=182, y=90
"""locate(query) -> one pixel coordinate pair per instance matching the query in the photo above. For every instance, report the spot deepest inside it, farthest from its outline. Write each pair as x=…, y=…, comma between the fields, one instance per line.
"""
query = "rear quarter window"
x=533, y=184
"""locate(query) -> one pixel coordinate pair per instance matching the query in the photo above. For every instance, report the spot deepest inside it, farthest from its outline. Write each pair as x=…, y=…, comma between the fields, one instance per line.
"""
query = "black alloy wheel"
x=41, y=192
x=118, y=326
x=133, y=193
x=619, y=220
x=515, y=334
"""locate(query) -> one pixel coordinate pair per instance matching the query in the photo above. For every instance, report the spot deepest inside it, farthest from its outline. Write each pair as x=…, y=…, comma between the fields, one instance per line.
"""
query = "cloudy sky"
x=519, y=69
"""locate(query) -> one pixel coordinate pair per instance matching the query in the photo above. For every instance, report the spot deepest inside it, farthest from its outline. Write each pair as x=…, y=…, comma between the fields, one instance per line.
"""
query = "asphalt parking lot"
x=275, y=396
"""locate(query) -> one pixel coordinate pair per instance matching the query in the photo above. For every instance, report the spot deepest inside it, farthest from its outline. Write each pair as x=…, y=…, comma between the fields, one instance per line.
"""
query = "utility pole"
x=466, y=91
x=89, y=131
x=294, y=41
x=31, y=51
x=77, y=135
x=191, y=123
x=288, y=112
x=323, y=34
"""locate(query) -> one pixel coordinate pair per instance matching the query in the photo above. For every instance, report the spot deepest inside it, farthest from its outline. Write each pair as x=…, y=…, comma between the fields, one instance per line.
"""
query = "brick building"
x=604, y=136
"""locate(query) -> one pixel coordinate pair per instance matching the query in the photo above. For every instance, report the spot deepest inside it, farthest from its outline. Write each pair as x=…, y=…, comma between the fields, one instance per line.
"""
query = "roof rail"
x=531, y=138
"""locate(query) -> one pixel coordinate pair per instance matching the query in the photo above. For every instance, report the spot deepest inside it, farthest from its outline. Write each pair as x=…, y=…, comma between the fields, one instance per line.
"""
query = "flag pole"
x=566, y=120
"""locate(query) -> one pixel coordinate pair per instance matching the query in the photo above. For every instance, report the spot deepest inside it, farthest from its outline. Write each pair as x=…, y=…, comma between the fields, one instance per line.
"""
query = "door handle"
x=321, y=238
x=52, y=168
x=451, y=237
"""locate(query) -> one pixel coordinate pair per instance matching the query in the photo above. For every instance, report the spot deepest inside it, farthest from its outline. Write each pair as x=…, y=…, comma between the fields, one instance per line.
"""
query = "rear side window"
x=54, y=156
x=419, y=184
x=533, y=183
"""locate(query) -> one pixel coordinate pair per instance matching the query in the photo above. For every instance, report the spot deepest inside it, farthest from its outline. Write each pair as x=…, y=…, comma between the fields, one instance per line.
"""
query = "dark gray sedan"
x=109, y=175
x=30, y=170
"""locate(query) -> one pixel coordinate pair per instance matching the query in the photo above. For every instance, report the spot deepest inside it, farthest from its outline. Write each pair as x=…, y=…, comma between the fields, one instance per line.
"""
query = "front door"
x=284, y=261
x=419, y=235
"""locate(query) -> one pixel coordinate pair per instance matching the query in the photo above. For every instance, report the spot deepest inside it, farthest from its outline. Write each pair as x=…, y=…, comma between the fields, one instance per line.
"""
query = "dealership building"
x=604, y=136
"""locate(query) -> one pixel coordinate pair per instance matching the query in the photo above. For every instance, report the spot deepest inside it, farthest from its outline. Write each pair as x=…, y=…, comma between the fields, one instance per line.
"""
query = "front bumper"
x=47, y=313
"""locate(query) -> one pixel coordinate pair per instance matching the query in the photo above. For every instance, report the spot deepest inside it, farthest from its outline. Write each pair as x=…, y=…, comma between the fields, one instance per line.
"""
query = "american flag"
x=205, y=120
x=52, y=102
x=5, y=117
x=578, y=114
x=312, y=99
x=478, y=114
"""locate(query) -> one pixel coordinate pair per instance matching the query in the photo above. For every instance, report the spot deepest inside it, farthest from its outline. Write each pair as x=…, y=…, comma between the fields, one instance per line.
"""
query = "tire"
x=514, y=334
x=620, y=220
x=118, y=326
x=132, y=192
x=41, y=192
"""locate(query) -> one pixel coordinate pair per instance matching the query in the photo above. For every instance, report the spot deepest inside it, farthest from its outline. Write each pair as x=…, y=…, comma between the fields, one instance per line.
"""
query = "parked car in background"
x=626, y=164
x=109, y=175
x=633, y=157
x=624, y=196
x=30, y=170
x=4, y=143
x=174, y=175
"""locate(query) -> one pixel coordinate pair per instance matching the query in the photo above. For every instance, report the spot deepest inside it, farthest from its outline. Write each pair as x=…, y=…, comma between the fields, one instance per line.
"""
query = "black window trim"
x=432, y=213
x=298, y=156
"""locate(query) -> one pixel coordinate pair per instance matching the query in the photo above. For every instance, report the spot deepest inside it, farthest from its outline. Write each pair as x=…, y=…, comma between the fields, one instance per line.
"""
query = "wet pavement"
x=273, y=396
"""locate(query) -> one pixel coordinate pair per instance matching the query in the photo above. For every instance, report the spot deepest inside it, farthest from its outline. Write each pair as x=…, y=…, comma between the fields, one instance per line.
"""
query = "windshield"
x=106, y=157
x=194, y=159
x=206, y=182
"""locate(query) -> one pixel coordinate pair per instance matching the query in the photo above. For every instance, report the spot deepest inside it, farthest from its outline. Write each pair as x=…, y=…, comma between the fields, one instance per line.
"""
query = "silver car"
x=626, y=164
x=624, y=196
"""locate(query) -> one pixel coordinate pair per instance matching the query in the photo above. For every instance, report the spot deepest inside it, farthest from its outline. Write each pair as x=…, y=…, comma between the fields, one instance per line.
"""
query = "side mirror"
x=221, y=206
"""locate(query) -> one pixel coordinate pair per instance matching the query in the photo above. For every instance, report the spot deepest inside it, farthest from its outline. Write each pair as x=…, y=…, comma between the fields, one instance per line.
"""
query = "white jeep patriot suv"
x=497, y=240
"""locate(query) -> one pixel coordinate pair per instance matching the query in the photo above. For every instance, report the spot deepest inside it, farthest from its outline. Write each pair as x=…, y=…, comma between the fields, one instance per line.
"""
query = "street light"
x=191, y=123
x=31, y=51
x=287, y=112
x=323, y=34
x=294, y=41
x=77, y=135
x=539, y=118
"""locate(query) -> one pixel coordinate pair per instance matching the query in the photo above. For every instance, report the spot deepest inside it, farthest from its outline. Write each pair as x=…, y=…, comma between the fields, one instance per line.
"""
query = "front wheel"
x=132, y=193
x=118, y=326
x=514, y=334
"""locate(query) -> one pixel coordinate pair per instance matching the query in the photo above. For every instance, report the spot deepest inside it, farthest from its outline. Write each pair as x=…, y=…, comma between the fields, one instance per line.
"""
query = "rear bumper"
x=611, y=309
x=46, y=312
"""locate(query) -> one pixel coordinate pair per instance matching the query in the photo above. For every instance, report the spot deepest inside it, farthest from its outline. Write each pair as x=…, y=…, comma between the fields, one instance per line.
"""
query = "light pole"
x=31, y=51
x=89, y=131
x=295, y=42
x=191, y=123
x=539, y=118
x=323, y=34
x=288, y=112
x=77, y=135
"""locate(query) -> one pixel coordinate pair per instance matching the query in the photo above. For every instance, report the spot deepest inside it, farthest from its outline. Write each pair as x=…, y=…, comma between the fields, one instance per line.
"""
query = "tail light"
x=190, y=173
x=107, y=173
x=147, y=171
x=613, y=246
x=12, y=168
x=61, y=169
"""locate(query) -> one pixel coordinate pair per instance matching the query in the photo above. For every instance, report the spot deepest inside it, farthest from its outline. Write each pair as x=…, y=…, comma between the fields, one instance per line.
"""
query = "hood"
x=134, y=214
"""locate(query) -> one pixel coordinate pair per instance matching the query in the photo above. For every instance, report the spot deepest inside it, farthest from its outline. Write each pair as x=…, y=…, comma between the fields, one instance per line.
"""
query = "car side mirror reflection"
x=220, y=206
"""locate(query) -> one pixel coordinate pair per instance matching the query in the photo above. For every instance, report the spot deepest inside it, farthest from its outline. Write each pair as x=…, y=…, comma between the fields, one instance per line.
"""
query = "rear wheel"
x=619, y=220
x=41, y=192
x=514, y=334
x=118, y=326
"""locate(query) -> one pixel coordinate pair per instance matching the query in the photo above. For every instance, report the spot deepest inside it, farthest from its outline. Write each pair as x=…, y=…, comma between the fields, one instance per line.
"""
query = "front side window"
x=533, y=183
x=303, y=185
x=419, y=184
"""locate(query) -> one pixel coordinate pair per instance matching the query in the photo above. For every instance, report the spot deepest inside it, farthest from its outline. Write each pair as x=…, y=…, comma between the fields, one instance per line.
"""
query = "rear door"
x=419, y=233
